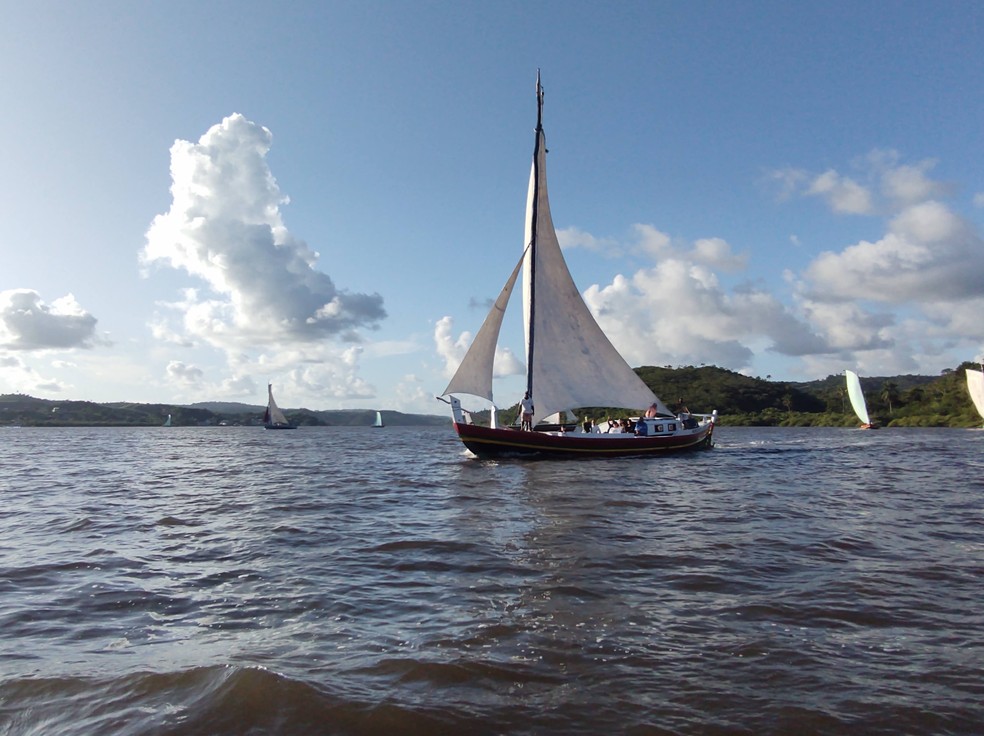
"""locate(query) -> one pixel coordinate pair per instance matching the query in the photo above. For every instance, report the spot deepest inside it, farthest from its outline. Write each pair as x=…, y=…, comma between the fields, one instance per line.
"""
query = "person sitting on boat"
x=652, y=411
x=527, y=408
x=683, y=414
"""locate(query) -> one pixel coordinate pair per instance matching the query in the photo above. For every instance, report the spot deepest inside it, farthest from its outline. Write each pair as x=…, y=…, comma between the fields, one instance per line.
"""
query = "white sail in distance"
x=857, y=396
x=975, y=385
x=274, y=415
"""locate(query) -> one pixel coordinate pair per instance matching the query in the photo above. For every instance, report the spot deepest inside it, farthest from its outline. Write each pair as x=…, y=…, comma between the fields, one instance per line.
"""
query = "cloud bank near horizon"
x=894, y=305
x=31, y=326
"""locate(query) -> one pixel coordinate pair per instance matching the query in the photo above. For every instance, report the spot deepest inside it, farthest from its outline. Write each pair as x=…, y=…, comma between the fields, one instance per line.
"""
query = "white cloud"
x=299, y=375
x=887, y=184
x=19, y=377
x=678, y=313
x=27, y=323
x=846, y=326
x=179, y=372
x=450, y=350
x=842, y=193
x=928, y=254
x=788, y=181
x=907, y=185
x=651, y=242
x=964, y=320
x=225, y=228
x=716, y=253
x=412, y=397
x=573, y=237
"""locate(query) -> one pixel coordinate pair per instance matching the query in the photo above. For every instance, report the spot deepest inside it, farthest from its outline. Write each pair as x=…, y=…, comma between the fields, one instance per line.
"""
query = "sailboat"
x=857, y=400
x=273, y=418
x=167, y=422
x=378, y=424
x=570, y=362
x=975, y=385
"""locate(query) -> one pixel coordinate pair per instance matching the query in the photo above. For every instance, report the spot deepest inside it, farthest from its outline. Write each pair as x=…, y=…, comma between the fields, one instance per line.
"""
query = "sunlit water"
x=363, y=581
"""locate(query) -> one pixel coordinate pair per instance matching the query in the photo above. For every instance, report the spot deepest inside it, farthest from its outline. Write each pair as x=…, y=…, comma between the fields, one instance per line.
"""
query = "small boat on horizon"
x=273, y=417
x=378, y=423
x=571, y=364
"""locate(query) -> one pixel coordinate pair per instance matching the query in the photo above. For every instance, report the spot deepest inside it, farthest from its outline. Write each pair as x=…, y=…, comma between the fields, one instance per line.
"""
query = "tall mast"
x=533, y=233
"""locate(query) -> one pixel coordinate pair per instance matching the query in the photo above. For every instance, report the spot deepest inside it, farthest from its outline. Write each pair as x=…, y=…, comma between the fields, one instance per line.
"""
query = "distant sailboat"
x=379, y=420
x=273, y=418
x=857, y=399
x=975, y=385
x=167, y=422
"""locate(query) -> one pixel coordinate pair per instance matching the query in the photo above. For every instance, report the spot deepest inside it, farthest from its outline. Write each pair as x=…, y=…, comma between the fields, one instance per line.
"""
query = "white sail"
x=167, y=422
x=572, y=362
x=975, y=385
x=273, y=415
x=857, y=396
x=379, y=420
x=474, y=374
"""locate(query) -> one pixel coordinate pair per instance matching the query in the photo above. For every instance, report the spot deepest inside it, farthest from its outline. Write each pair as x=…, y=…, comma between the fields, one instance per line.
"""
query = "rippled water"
x=359, y=581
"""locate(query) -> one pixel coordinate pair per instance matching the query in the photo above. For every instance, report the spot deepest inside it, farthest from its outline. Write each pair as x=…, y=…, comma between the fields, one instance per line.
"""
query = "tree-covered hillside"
x=898, y=401
x=27, y=411
x=895, y=401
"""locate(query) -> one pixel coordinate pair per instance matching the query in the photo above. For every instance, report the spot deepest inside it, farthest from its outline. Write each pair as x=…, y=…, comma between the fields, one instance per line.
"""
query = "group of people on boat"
x=613, y=425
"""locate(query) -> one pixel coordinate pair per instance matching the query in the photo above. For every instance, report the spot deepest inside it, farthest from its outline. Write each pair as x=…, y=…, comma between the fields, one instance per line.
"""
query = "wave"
x=217, y=701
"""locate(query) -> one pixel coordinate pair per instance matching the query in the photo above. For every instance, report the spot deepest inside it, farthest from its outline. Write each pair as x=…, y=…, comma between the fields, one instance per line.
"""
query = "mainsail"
x=570, y=361
x=273, y=414
x=857, y=396
x=975, y=385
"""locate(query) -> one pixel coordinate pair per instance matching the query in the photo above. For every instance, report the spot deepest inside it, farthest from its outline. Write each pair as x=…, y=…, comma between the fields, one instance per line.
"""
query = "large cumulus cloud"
x=225, y=228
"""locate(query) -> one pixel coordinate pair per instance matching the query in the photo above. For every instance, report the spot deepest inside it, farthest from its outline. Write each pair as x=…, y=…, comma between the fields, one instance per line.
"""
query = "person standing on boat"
x=526, y=406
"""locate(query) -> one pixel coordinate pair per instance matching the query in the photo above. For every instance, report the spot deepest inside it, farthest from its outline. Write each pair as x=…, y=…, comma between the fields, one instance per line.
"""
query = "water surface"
x=365, y=581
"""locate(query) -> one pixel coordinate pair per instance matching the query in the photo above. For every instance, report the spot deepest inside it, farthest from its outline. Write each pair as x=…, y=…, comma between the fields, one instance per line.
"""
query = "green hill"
x=18, y=409
x=894, y=401
x=897, y=401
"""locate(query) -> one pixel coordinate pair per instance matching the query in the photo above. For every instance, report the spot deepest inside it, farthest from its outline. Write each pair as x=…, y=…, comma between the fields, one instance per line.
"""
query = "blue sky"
x=201, y=197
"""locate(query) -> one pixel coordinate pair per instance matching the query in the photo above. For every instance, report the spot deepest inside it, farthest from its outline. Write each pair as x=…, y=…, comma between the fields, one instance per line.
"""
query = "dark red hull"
x=491, y=443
